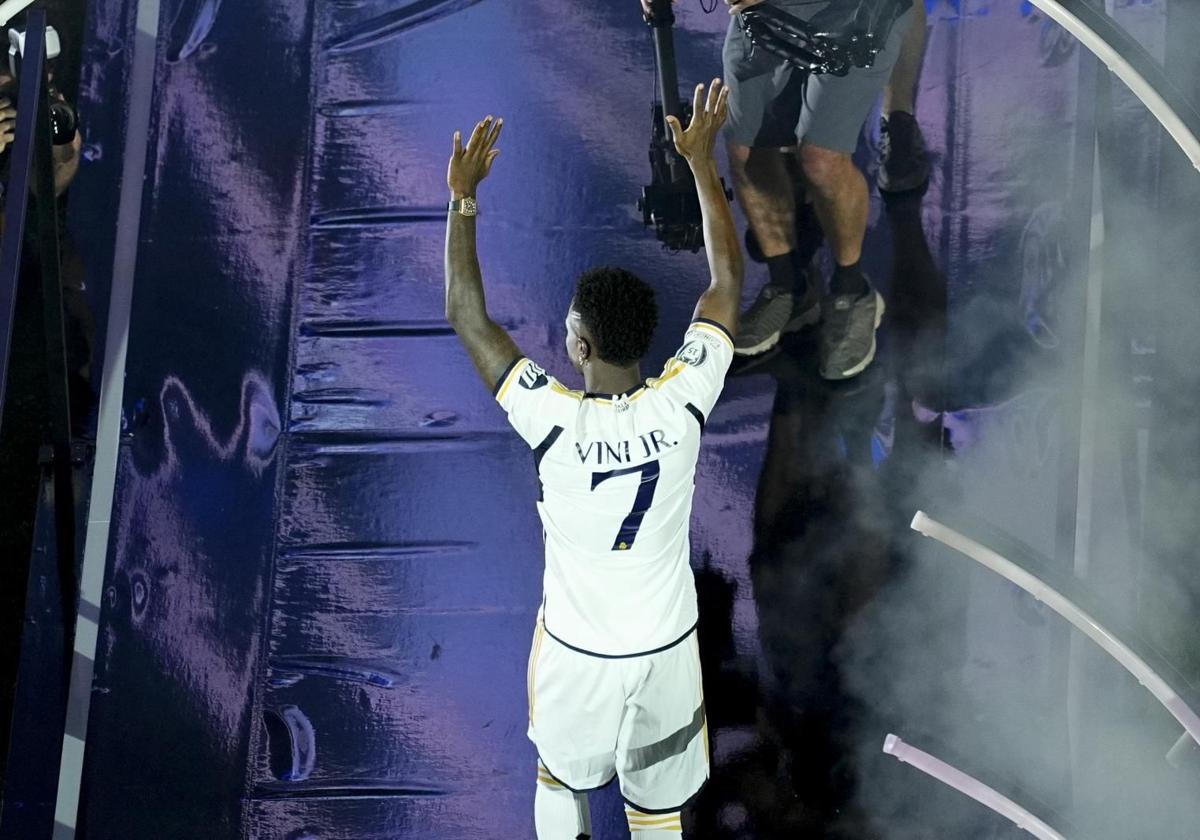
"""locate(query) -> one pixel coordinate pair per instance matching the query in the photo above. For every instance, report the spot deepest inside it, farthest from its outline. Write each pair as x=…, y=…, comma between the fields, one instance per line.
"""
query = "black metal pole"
x=17, y=199
x=55, y=325
x=662, y=19
x=32, y=165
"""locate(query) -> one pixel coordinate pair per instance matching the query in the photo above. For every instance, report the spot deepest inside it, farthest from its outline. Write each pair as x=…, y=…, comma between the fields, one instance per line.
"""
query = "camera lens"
x=63, y=123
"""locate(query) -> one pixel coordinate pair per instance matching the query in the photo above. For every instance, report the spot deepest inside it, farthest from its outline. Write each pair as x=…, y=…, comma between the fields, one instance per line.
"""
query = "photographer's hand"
x=8, y=123
x=471, y=165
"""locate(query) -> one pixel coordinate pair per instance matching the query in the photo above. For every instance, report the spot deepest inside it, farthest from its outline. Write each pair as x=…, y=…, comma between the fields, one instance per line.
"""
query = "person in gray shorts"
x=781, y=120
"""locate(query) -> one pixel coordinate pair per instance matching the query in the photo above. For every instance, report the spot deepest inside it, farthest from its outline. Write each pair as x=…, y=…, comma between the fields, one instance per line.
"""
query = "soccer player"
x=614, y=673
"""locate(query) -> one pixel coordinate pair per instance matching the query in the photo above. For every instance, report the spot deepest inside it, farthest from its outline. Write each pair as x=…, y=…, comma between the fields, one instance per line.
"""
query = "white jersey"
x=617, y=475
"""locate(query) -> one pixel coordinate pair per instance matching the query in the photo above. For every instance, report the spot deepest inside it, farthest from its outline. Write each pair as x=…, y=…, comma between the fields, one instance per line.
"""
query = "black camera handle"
x=662, y=21
x=669, y=203
x=843, y=35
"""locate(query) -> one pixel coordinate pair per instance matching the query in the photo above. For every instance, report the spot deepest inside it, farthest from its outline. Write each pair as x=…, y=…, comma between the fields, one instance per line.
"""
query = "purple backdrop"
x=326, y=562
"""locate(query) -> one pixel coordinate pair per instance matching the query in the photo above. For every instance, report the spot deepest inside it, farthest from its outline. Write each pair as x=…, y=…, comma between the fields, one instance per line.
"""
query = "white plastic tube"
x=1052, y=598
x=970, y=786
x=9, y=9
x=1124, y=71
x=108, y=435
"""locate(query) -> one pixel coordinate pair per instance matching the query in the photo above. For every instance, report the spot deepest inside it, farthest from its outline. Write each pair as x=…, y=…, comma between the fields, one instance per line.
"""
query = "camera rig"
x=845, y=34
x=670, y=202
x=63, y=120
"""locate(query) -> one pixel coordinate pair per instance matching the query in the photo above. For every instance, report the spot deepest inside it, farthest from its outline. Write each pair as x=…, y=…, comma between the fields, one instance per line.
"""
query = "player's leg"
x=575, y=708
x=662, y=748
x=656, y=826
x=558, y=813
x=764, y=103
x=903, y=159
x=831, y=120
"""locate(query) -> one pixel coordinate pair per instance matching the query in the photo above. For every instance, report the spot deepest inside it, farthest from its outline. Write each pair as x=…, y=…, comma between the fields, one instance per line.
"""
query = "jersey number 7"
x=641, y=502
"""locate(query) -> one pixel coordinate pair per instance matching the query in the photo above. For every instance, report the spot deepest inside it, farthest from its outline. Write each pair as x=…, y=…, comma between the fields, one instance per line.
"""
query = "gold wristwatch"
x=465, y=206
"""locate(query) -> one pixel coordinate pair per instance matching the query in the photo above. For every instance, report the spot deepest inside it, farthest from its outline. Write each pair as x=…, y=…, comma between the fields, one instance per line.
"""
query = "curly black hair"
x=619, y=310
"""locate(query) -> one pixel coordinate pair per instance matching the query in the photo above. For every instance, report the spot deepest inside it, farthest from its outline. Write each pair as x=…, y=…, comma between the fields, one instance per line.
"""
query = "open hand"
x=8, y=122
x=471, y=165
x=646, y=6
x=708, y=115
x=737, y=6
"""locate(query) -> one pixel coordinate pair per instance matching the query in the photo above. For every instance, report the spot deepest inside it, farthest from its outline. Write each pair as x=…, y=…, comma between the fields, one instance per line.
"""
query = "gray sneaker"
x=760, y=326
x=846, y=338
x=774, y=312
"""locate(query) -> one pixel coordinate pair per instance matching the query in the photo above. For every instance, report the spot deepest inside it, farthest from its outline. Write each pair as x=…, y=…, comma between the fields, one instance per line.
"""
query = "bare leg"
x=764, y=189
x=901, y=91
x=839, y=194
x=764, y=180
x=846, y=334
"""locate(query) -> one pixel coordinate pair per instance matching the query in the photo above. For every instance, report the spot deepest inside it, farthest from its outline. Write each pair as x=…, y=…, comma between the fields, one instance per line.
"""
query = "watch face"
x=468, y=207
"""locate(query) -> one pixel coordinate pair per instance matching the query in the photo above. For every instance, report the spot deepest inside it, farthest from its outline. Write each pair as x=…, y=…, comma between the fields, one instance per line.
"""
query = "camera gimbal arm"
x=845, y=34
x=669, y=202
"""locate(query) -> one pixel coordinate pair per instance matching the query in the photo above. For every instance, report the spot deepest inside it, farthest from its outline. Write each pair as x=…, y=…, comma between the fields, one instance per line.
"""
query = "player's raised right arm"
x=490, y=347
x=722, y=301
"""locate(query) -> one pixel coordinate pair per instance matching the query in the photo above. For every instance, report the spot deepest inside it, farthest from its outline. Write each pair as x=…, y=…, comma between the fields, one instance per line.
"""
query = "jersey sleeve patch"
x=693, y=353
x=533, y=400
x=696, y=373
x=533, y=377
x=505, y=380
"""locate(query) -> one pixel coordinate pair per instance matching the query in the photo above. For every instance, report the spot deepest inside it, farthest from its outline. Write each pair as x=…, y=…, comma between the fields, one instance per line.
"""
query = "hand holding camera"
x=8, y=123
x=63, y=120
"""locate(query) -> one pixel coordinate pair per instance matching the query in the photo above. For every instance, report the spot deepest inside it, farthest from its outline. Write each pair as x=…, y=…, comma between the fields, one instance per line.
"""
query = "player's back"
x=617, y=474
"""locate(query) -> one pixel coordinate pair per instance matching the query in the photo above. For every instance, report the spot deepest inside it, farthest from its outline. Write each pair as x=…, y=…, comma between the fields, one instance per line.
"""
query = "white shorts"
x=640, y=719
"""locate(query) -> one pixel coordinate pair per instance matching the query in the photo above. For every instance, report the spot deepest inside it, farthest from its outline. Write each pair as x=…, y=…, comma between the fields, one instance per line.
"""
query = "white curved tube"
x=1124, y=71
x=1117, y=649
x=11, y=8
x=970, y=786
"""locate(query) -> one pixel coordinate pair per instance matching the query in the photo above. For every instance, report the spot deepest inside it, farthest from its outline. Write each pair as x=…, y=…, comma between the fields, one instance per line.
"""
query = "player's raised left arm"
x=490, y=347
